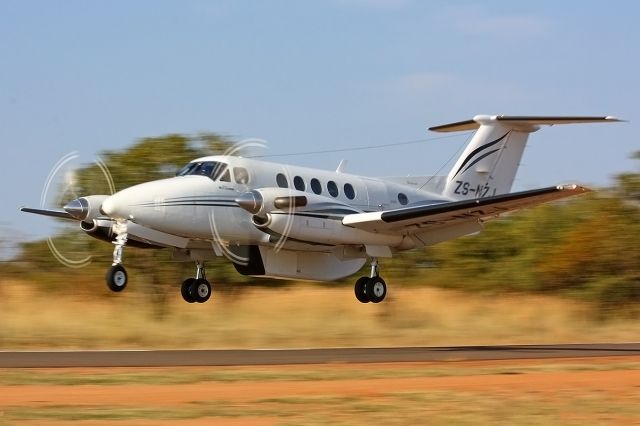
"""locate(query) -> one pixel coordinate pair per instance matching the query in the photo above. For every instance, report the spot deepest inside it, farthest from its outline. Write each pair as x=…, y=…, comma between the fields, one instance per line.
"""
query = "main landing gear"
x=196, y=289
x=373, y=288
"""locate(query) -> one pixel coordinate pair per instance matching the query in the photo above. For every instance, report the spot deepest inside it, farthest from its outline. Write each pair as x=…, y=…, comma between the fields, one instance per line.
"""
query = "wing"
x=422, y=218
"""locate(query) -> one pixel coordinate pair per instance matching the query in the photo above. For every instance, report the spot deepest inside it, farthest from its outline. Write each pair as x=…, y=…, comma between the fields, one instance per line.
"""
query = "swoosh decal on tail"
x=480, y=158
x=477, y=151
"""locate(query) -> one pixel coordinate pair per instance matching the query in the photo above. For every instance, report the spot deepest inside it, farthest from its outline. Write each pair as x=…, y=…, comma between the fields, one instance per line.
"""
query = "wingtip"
x=573, y=187
x=615, y=119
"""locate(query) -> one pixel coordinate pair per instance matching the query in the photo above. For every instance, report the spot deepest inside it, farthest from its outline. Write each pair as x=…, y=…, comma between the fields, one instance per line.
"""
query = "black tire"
x=376, y=289
x=184, y=290
x=200, y=290
x=360, y=290
x=117, y=278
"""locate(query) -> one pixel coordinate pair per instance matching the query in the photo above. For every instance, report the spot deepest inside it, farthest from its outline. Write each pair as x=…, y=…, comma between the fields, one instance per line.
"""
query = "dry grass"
x=186, y=375
x=299, y=316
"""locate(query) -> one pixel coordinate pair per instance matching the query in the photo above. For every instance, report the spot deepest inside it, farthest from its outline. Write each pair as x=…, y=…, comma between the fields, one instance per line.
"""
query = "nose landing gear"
x=117, y=275
x=373, y=288
x=196, y=289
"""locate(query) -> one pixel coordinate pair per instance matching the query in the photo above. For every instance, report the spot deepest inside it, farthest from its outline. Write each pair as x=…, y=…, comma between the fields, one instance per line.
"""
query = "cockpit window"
x=212, y=169
x=186, y=169
x=241, y=174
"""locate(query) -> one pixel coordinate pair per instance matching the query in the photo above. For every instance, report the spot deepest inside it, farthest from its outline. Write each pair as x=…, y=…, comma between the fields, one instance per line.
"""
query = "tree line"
x=587, y=248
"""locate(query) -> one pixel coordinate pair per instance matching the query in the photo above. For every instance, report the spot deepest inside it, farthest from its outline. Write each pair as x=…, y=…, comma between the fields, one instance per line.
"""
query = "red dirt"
x=616, y=383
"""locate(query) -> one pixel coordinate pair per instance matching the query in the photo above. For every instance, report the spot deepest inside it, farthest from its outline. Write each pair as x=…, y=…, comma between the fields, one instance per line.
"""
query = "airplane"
x=288, y=222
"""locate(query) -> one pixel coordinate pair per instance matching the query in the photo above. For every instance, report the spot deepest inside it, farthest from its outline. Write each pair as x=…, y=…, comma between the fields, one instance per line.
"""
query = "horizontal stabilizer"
x=519, y=120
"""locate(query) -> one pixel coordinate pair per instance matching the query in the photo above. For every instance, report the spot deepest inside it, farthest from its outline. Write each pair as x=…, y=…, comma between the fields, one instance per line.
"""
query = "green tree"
x=629, y=183
x=587, y=247
x=152, y=272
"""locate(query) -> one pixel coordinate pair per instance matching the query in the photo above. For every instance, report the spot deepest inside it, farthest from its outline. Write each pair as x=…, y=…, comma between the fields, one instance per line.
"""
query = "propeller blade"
x=52, y=213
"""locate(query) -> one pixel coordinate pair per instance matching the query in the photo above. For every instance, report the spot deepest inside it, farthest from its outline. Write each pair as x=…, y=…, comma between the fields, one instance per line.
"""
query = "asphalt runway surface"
x=245, y=357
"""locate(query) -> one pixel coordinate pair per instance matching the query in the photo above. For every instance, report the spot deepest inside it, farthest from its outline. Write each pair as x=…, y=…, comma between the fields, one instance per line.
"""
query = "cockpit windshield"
x=212, y=169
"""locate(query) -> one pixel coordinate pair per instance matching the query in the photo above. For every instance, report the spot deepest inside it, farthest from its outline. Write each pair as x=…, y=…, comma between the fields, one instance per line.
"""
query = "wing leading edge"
x=421, y=218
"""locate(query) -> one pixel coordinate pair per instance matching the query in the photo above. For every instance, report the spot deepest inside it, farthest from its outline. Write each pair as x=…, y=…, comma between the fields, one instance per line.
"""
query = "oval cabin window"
x=281, y=180
x=315, y=186
x=298, y=183
x=332, y=188
x=349, y=192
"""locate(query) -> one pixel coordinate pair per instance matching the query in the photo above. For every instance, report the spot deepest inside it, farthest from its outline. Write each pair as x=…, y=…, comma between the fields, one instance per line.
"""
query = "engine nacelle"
x=99, y=229
x=308, y=218
x=86, y=208
x=259, y=202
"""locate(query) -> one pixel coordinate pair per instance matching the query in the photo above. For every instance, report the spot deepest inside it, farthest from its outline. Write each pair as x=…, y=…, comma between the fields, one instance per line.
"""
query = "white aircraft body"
x=283, y=221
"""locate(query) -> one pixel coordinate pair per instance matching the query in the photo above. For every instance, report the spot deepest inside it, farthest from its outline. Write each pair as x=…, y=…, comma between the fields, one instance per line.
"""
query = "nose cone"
x=108, y=207
x=118, y=206
x=136, y=202
x=78, y=208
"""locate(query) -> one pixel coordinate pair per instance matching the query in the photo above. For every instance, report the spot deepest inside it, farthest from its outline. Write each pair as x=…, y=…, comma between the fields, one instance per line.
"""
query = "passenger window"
x=298, y=182
x=332, y=188
x=402, y=199
x=226, y=176
x=241, y=175
x=281, y=180
x=349, y=192
x=315, y=186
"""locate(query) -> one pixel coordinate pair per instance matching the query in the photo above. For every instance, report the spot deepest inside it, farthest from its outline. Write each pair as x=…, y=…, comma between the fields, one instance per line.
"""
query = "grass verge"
x=298, y=316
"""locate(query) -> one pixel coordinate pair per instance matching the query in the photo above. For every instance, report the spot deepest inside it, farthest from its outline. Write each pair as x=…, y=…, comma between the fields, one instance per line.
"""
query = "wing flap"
x=421, y=218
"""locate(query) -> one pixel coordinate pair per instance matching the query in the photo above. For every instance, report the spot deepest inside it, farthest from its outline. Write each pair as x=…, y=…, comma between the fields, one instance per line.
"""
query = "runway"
x=244, y=357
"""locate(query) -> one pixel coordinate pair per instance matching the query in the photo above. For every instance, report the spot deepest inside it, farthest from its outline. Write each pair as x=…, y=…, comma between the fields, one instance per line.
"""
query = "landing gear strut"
x=117, y=275
x=372, y=288
x=196, y=289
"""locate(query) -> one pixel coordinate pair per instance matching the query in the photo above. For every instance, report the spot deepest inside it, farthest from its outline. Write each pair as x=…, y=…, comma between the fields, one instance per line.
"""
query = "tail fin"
x=490, y=161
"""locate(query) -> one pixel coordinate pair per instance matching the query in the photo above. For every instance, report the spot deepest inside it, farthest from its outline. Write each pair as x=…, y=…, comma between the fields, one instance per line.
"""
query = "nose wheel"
x=198, y=289
x=371, y=289
x=116, y=278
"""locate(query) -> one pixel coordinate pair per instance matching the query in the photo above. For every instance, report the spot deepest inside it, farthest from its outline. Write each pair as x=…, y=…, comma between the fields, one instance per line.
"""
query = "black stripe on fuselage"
x=337, y=214
x=187, y=201
x=192, y=204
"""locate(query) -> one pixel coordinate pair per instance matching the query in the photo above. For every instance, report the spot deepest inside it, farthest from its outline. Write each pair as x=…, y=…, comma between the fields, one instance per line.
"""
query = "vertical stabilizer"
x=490, y=161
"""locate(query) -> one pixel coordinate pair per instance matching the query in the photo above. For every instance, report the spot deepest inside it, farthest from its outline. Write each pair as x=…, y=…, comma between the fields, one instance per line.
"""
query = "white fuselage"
x=204, y=208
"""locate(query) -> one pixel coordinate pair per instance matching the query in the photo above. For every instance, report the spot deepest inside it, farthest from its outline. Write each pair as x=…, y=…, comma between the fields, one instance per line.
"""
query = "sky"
x=88, y=76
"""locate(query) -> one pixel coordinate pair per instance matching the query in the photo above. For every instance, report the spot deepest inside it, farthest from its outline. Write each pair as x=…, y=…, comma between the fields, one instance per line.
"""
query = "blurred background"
x=568, y=271
x=148, y=86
